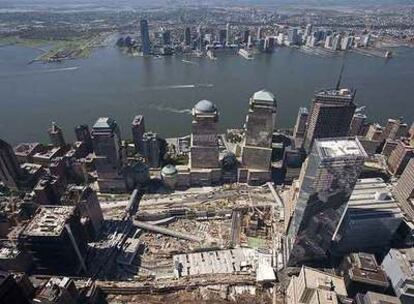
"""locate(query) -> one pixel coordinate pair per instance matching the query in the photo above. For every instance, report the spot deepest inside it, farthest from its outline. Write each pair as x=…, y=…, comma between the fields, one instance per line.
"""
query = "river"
x=110, y=83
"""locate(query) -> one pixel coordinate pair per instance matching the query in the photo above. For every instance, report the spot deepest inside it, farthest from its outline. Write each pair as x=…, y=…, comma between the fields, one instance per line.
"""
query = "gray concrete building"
x=358, y=125
x=398, y=264
x=84, y=135
x=204, y=152
x=313, y=286
x=106, y=138
x=327, y=180
x=330, y=116
x=394, y=129
x=138, y=130
x=257, y=145
x=300, y=127
x=151, y=149
x=376, y=298
x=371, y=211
x=56, y=135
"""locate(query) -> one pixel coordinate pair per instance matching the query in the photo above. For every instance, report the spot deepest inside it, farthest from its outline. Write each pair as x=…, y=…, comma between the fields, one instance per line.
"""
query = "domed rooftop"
x=205, y=106
x=169, y=170
x=264, y=95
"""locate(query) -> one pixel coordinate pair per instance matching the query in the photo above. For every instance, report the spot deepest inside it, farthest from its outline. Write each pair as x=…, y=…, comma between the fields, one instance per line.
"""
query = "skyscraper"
x=327, y=179
x=228, y=34
x=300, y=126
x=166, y=37
x=106, y=138
x=330, y=116
x=84, y=135
x=151, y=149
x=10, y=171
x=358, y=124
x=400, y=156
x=204, y=151
x=257, y=147
x=404, y=189
x=145, y=39
x=187, y=36
x=56, y=135
x=138, y=130
x=246, y=35
x=394, y=129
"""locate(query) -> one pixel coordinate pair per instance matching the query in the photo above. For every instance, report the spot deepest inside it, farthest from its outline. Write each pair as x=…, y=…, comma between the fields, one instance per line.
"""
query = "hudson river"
x=110, y=83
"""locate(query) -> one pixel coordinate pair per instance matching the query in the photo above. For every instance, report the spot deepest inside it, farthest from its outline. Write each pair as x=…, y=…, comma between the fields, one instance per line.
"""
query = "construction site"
x=212, y=244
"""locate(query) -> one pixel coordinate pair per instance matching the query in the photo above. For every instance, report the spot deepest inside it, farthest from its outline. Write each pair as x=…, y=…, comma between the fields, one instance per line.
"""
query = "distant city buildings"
x=327, y=180
x=145, y=39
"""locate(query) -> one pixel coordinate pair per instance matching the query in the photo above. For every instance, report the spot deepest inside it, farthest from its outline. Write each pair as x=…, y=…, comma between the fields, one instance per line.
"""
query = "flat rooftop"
x=49, y=221
x=373, y=194
x=341, y=147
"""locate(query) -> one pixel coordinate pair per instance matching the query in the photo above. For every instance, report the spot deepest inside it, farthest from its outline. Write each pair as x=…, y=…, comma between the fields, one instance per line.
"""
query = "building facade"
x=10, y=171
x=330, y=116
x=327, y=180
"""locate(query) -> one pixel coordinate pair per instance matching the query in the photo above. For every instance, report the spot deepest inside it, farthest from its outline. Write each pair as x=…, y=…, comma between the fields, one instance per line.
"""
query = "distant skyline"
x=133, y=3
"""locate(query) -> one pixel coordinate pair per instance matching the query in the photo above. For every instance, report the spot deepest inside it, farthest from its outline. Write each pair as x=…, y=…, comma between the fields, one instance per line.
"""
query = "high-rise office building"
x=84, y=135
x=145, y=39
x=358, y=125
x=259, y=33
x=293, y=36
x=106, y=138
x=300, y=126
x=10, y=291
x=400, y=156
x=151, y=149
x=228, y=34
x=308, y=30
x=56, y=135
x=260, y=123
x=404, y=189
x=327, y=179
x=374, y=132
x=370, y=211
x=187, y=36
x=166, y=38
x=10, y=171
x=246, y=35
x=330, y=116
x=394, y=129
x=138, y=130
x=56, y=240
x=204, y=152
